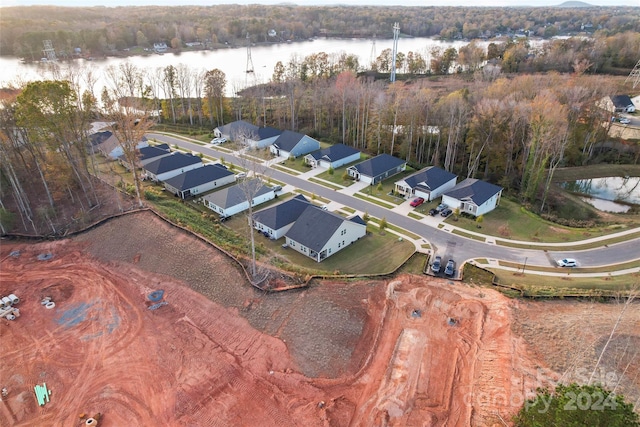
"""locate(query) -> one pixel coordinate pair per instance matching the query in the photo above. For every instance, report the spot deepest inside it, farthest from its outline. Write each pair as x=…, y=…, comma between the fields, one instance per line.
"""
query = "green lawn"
x=568, y=271
x=511, y=221
x=384, y=192
x=285, y=170
x=326, y=184
x=376, y=253
x=372, y=200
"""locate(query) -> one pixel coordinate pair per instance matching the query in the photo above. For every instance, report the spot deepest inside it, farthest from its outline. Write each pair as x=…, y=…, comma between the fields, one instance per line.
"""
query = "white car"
x=221, y=140
x=567, y=262
x=625, y=121
x=241, y=175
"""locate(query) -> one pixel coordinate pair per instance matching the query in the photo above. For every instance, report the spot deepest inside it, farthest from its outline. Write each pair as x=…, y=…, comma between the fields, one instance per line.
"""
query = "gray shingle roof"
x=199, y=176
x=172, y=162
x=430, y=178
x=314, y=228
x=276, y=217
x=268, y=132
x=239, y=128
x=378, y=165
x=100, y=137
x=621, y=101
x=151, y=152
x=334, y=153
x=232, y=196
x=288, y=140
x=475, y=190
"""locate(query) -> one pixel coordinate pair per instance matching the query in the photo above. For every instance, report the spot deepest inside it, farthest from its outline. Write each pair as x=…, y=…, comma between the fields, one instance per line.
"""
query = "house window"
x=338, y=244
x=329, y=250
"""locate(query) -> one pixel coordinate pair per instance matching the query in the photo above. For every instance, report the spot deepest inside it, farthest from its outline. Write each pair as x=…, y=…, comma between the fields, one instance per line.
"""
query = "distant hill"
x=574, y=3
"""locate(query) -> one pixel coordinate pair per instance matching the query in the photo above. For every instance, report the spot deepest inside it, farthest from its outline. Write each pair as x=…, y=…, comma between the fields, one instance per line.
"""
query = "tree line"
x=510, y=129
x=102, y=31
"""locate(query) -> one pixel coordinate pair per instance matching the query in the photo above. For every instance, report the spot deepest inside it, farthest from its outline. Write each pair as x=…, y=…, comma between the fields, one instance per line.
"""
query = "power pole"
x=396, y=34
x=49, y=51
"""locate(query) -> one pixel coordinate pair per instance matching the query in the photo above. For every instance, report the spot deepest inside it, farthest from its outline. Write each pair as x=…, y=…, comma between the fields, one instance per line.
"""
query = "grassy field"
x=622, y=266
x=595, y=171
x=510, y=221
x=376, y=201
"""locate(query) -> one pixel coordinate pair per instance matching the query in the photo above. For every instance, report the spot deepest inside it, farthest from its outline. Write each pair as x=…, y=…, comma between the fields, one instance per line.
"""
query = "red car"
x=417, y=202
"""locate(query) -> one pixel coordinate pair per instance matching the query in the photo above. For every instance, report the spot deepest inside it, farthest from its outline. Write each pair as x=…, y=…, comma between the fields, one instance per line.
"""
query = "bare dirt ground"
x=410, y=351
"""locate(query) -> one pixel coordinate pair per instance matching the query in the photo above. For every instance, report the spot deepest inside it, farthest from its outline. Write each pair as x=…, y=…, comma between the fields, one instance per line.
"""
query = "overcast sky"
x=314, y=2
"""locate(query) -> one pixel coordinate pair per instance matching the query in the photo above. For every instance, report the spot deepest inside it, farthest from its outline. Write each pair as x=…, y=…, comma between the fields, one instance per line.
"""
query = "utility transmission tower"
x=372, y=59
x=396, y=34
x=49, y=51
x=634, y=75
x=249, y=60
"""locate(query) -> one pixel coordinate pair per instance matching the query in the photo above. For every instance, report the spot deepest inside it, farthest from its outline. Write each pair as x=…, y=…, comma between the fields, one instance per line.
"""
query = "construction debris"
x=158, y=305
x=156, y=296
x=45, y=257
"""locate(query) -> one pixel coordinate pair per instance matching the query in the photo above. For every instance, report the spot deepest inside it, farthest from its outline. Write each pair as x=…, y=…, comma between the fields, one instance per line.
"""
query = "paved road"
x=446, y=244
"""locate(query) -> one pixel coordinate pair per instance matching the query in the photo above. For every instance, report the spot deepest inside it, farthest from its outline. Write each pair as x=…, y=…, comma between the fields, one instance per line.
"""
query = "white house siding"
x=451, y=202
x=348, y=233
x=275, y=234
x=263, y=143
x=341, y=162
x=203, y=188
x=175, y=172
x=118, y=151
x=489, y=205
x=435, y=193
x=241, y=207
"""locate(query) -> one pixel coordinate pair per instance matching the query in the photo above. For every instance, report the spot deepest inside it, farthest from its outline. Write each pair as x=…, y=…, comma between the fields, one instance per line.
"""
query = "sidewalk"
x=494, y=264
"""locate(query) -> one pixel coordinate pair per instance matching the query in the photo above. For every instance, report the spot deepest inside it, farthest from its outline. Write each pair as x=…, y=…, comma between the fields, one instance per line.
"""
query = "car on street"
x=433, y=212
x=445, y=213
x=625, y=121
x=221, y=140
x=441, y=207
x=437, y=265
x=450, y=269
x=417, y=202
x=567, y=262
x=241, y=175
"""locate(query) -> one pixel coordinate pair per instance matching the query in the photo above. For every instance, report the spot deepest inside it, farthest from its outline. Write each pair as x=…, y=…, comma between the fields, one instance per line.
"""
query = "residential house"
x=160, y=47
x=277, y=220
x=473, y=196
x=319, y=234
x=199, y=180
x=167, y=167
x=263, y=137
x=428, y=183
x=232, y=200
x=293, y=144
x=333, y=157
x=239, y=131
x=108, y=144
x=617, y=104
x=377, y=169
x=147, y=155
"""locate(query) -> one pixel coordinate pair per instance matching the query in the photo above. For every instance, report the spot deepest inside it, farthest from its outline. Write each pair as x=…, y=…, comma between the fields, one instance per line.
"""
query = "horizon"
x=375, y=3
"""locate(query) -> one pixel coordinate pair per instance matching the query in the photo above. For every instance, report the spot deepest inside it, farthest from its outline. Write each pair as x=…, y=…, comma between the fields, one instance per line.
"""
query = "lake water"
x=232, y=61
x=604, y=192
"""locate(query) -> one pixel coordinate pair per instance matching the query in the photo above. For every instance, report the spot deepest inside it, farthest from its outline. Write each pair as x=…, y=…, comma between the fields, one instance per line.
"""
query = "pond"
x=605, y=193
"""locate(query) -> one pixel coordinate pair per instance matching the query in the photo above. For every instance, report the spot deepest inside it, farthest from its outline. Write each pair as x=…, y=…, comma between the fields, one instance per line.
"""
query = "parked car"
x=441, y=207
x=450, y=269
x=221, y=140
x=625, y=121
x=445, y=213
x=437, y=264
x=417, y=202
x=567, y=262
x=241, y=175
x=277, y=188
x=433, y=212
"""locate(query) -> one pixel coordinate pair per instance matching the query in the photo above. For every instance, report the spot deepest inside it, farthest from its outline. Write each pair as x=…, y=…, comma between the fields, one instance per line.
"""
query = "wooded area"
x=104, y=31
x=479, y=114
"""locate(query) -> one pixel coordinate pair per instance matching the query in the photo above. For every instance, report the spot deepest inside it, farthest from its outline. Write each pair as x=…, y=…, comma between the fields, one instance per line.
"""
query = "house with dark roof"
x=263, y=137
x=473, y=196
x=108, y=144
x=617, y=104
x=319, y=234
x=277, y=220
x=332, y=157
x=428, y=183
x=377, y=169
x=147, y=155
x=237, y=131
x=293, y=144
x=167, y=167
x=232, y=200
x=199, y=180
